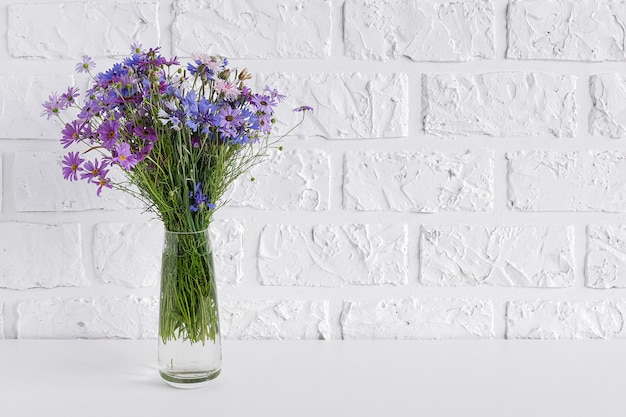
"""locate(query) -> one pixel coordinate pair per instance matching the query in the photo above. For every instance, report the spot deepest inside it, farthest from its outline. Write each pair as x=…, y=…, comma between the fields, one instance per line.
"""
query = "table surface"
x=320, y=378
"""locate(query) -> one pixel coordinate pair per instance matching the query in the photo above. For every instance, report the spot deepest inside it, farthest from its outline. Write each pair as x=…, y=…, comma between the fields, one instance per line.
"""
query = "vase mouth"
x=185, y=233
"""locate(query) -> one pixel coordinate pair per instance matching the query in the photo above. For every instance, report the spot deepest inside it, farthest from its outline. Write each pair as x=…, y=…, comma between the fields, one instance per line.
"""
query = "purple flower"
x=67, y=99
x=52, y=106
x=264, y=104
x=274, y=93
x=135, y=48
x=71, y=133
x=89, y=109
x=108, y=133
x=71, y=166
x=124, y=157
x=94, y=170
x=145, y=132
x=86, y=65
x=265, y=123
x=230, y=118
x=303, y=108
x=144, y=152
x=103, y=181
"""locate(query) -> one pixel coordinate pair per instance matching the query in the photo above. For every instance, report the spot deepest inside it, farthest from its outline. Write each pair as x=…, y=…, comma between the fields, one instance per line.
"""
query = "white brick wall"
x=70, y=30
x=417, y=319
x=463, y=174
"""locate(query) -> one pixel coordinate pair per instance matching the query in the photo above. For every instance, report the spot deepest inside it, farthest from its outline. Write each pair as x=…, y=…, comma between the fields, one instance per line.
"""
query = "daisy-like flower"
x=229, y=90
x=94, y=170
x=103, y=181
x=275, y=94
x=71, y=133
x=265, y=123
x=145, y=132
x=86, y=65
x=124, y=157
x=67, y=99
x=264, y=104
x=108, y=133
x=303, y=109
x=136, y=48
x=230, y=118
x=71, y=165
x=52, y=106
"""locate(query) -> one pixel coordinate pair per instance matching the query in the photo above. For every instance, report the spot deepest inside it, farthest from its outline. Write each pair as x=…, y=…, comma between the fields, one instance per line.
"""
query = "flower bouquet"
x=180, y=136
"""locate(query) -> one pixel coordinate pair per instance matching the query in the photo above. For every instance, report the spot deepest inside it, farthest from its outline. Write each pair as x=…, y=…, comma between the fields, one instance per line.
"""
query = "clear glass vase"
x=190, y=347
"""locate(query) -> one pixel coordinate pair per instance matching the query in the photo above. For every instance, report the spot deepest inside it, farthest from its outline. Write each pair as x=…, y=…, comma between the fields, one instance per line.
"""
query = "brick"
x=40, y=256
x=253, y=28
x=21, y=100
x=70, y=30
x=228, y=251
x=275, y=319
x=346, y=105
x=543, y=319
x=567, y=181
x=608, y=114
x=1, y=320
x=606, y=259
x=499, y=104
x=417, y=319
x=333, y=255
x=39, y=186
x=419, y=30
x=88, y=318
x=566, y=30
x=287, y=180
x=458, y=255
x=418, y=182
x=130, y=254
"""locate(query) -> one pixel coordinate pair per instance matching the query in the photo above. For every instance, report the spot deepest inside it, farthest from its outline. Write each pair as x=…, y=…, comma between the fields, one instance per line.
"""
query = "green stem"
x=188, y=304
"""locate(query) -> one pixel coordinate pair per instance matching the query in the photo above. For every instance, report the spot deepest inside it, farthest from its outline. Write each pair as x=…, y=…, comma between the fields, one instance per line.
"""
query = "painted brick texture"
x=566, y=320
x=40, y=256
x=463, y=174
x=566, y=30
x=86, y=28
x=417, y=319
x=333, y=255
x=253, y=29
x=421, y=30
x=348, y=105
x=500, y=104
x=418, y=182
x=514, y=256
x=567, y=181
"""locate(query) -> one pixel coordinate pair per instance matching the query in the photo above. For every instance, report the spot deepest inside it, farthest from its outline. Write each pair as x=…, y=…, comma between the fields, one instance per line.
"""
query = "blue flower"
x=199, y=199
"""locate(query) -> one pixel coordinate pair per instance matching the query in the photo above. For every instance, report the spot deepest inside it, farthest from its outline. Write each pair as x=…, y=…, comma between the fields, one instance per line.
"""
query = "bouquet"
x=180, y=135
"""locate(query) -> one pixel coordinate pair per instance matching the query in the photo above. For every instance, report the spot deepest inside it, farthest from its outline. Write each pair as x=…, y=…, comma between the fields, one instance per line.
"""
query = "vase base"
x=189, y=380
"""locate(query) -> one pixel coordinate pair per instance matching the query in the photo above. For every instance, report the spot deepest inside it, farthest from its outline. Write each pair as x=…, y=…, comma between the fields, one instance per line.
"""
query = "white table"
x=320, y=378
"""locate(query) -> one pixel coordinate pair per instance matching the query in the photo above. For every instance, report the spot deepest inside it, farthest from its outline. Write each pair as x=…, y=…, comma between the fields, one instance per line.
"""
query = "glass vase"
x=190, y=347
